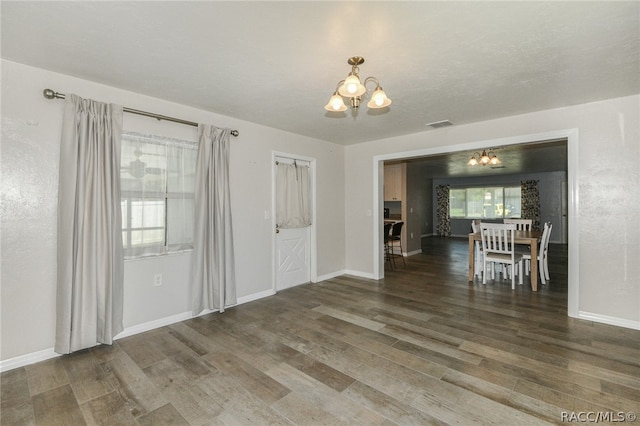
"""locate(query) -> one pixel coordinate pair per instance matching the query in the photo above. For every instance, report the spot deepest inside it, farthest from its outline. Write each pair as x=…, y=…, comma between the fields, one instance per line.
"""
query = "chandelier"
x=354, y=90
x=483, y=158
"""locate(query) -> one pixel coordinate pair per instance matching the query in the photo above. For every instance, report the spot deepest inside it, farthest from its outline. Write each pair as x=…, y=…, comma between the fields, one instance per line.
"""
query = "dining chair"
x=395, y=241
x=387, y=245
x=498, y=245
x=477, y=254
x=521, y=224
x=543, y=255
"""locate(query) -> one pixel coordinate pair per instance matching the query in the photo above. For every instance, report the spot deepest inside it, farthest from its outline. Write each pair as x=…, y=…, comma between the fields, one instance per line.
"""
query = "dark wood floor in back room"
x=422, y=346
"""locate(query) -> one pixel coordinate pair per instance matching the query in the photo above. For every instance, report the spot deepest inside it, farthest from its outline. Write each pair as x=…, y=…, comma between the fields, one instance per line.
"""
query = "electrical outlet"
x=157, y=280
x=412, y=235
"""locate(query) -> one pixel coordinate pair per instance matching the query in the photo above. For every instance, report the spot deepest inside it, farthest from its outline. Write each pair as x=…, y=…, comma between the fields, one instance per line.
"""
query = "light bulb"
x=336, y=103
x=352, y=83
x=379, y=99
x=352, y=87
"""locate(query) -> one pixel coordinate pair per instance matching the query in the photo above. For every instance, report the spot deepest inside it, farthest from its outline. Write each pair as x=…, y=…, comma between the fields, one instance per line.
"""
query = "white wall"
x=31, y=128
x=608, y=195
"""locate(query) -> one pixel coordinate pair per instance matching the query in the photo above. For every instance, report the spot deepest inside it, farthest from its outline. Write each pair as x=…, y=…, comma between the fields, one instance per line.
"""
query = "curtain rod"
x=50, y=94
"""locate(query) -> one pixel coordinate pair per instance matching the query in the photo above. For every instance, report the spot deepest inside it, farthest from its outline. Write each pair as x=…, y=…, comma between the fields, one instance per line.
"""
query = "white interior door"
x=292, y=257
x=292, y=246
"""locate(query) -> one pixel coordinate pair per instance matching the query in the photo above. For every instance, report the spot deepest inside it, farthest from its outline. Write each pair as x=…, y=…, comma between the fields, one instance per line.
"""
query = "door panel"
x=292, y=248
x=292, y=254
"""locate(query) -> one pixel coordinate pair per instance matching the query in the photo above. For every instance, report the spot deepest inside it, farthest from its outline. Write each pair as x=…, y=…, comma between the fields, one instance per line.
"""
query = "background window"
x=157, y=181
x=485, y=203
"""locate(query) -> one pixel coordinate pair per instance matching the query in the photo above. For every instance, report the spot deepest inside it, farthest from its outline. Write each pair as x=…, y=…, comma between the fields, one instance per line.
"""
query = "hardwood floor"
x=422, y=346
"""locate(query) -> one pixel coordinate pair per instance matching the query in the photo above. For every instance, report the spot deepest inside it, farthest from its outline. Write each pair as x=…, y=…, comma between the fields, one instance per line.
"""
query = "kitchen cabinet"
x=393, y=182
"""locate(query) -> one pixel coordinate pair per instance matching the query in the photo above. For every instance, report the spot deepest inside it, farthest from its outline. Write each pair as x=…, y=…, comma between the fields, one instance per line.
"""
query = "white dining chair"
x=498, y=245
x=477, y=253
x=543, y=255
x=521, y=224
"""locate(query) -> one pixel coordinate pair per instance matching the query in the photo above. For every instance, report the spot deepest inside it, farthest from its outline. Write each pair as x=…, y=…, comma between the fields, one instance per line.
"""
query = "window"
x=157, y=180
x=485, y=203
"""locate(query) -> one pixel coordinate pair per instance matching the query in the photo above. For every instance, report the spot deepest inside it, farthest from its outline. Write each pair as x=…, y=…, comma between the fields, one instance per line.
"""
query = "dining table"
x=530, y=238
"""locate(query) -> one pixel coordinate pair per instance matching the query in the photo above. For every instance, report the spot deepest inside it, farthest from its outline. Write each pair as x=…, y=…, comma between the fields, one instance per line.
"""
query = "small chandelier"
x=354, y=90
x=483, y=158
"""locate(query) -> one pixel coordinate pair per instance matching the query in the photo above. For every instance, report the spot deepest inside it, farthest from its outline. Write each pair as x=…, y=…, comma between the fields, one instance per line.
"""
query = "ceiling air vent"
x=438, y=124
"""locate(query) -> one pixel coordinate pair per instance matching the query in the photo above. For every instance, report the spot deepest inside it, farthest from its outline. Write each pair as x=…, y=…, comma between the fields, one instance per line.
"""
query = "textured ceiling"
x=277, y=63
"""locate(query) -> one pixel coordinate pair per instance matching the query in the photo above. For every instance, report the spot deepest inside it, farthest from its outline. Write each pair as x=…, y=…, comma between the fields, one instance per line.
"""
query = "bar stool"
x=395, y=240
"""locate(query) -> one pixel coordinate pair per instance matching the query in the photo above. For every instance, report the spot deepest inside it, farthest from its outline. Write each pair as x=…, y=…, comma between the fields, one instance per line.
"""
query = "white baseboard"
x=43, y=355
x=345, y=272
x=605, y=319
x=255, y=296
x=367, y=275
x=151, y=325
x=331, y=275
x=411, y=253
x=31, y=358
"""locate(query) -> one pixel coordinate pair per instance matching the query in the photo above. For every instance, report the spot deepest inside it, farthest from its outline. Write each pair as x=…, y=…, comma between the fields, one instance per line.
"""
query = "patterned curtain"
x=444, y=220
x=531, y=202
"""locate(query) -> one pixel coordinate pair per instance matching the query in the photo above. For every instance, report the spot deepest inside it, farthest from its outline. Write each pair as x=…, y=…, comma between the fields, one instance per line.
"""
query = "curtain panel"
x=89, y=299
x=444, y=218
x=293, y=196
x=530, y=208
x=212, y=263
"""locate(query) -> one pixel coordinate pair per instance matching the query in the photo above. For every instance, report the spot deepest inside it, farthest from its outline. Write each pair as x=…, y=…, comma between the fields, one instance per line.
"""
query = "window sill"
x=156, y=255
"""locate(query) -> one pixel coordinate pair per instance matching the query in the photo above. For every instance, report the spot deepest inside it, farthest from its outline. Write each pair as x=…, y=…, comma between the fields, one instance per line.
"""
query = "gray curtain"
x=213, y=263
x=90, y=260
x=444, y=217
x=293, y=195
x=530, y=207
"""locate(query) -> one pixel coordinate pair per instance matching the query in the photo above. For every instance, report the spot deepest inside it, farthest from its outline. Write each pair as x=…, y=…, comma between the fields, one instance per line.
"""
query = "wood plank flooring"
x=423, y=346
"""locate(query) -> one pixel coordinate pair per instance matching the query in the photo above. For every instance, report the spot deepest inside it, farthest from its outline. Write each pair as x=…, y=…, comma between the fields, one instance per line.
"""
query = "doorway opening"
x=571, y=138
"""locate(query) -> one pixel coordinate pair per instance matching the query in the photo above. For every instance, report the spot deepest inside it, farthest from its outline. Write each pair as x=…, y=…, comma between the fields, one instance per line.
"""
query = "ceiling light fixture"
x=354, y=90
x=483, y=158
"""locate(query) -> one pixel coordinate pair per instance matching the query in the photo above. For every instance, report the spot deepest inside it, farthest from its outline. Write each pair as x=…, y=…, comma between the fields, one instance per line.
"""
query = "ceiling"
x=277, y=63
x=536, y=157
